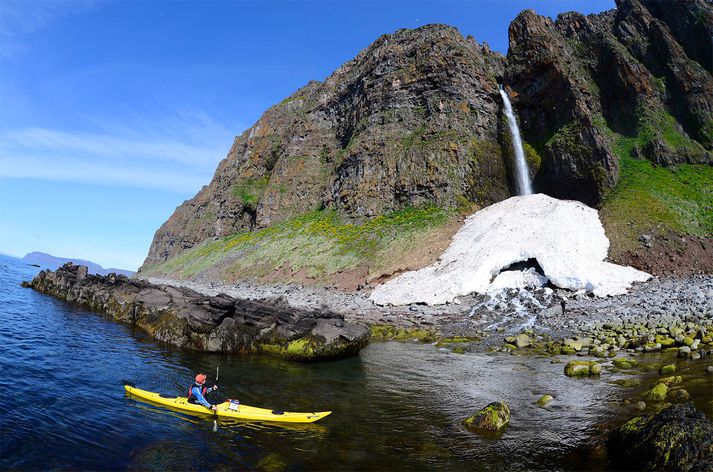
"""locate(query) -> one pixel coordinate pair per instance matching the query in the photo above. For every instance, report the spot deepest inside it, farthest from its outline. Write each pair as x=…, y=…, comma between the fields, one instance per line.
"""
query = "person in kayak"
x=198, y=391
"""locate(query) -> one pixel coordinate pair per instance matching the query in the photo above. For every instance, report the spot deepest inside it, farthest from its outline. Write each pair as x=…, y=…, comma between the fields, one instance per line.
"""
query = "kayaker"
x=198, y=391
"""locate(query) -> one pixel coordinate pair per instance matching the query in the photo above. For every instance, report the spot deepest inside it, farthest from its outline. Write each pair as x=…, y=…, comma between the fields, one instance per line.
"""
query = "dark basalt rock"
x=186, y=318
x=678, y=438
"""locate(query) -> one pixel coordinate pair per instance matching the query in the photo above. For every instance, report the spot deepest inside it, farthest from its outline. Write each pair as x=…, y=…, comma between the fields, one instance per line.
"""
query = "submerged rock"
x=523, y=228
x=678, y=438
x=624, y=363
x=582, y=368
x=545, y=399
x=678, y=395
x=493, y=418
x=186, y=318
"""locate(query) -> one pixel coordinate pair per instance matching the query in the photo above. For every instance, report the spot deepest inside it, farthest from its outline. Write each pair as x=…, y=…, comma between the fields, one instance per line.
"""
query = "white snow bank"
x=566, y=238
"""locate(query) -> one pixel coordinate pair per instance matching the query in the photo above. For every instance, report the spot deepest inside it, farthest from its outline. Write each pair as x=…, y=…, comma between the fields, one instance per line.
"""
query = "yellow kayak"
x=226, y=410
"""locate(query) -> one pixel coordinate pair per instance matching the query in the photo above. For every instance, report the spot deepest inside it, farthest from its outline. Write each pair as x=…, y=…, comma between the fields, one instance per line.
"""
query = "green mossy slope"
x=318, y=243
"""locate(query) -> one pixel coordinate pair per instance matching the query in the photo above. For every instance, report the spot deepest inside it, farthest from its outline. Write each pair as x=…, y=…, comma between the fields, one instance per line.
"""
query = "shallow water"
x=396, y=406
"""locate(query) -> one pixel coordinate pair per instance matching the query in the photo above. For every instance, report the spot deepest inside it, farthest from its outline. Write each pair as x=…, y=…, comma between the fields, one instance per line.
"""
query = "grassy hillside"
x=318, y=245
x=669, y=204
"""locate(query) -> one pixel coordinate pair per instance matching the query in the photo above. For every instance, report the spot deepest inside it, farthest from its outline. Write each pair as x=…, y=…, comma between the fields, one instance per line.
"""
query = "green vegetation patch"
x=649, y=197
x=652, y=125
x=320, y=243
x=249, y=190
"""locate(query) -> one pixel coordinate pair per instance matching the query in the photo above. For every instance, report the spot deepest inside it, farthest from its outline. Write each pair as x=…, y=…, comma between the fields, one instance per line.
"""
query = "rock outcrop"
x=185, y=318
x=679, y=438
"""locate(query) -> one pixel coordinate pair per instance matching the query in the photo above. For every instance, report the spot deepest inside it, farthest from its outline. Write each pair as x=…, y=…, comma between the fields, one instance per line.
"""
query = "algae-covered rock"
x=567, y=350
x=672, y=380
x=582, y=369
x=624, y=363
x=522, y=340
x=678, y=438
x=658, y=393
x=626, y=383
x=545, y=399
x=493, y=418
x=678, y=395
x=667, y=369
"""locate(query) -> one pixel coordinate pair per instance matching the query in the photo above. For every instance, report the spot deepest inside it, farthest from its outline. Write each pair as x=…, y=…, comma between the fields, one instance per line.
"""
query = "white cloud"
x=179, y=153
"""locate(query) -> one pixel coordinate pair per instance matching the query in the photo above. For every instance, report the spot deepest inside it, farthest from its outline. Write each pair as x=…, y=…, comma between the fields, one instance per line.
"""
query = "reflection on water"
x=396, y=406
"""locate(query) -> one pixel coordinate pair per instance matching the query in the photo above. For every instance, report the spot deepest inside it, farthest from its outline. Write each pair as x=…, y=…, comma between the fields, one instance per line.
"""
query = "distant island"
x=48, y=260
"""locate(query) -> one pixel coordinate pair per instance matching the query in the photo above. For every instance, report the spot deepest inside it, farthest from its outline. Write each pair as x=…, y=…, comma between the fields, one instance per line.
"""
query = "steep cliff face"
x=413, y=120
x=631, y=82
x=368, y=165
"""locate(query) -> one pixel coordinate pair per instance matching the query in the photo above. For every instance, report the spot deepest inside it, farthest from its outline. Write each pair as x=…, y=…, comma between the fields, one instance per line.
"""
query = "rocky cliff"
x=631, y=82
x=415, y=121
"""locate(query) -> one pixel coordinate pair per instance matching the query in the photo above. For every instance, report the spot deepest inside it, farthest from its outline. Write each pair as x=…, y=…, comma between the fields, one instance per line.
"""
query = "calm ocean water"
x=396, y=406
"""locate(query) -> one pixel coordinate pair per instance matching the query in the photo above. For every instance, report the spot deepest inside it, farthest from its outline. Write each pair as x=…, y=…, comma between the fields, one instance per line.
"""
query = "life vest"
x=204, y=391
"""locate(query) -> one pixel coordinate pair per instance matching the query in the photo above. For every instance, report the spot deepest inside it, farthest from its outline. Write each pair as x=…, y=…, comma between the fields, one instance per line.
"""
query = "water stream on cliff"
x=522, y=176
x=396, y=406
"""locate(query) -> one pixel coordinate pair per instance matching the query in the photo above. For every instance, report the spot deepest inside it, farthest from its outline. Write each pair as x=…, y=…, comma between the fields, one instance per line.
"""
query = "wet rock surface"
x=214, y=323
x=678, y=438
x=490, y=420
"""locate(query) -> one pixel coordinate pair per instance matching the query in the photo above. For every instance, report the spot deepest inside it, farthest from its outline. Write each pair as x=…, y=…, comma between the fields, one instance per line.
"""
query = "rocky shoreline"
x=216, y=323
x=555, y=313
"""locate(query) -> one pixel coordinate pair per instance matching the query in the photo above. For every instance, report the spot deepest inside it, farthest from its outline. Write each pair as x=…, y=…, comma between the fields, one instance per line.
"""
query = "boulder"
x=582, y=369
x=668, y=369
x=678, y=438
x=493, y=418
x=522, y=340
x=658, y=393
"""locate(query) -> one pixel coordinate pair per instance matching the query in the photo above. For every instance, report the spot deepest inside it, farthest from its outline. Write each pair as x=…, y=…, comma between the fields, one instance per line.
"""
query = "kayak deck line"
x=243, y=412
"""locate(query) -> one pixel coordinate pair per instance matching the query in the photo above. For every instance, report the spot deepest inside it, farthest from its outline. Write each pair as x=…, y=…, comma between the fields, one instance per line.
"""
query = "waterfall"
x=522, y=177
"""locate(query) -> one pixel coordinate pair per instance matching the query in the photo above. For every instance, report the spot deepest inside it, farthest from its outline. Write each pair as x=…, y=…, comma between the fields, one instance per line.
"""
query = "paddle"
x=215, y=412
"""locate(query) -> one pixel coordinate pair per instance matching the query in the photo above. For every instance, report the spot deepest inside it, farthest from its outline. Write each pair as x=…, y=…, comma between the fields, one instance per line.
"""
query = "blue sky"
x=114, y=113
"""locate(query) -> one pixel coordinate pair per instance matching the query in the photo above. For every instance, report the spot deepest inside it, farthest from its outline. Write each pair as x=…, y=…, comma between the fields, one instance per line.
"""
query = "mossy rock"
x=493, y=418
x=544, y=400
x=567, y=350
x=459, y=350
x=678, y=438
x=658, y=393
x=582, y=369
x=627, y=383
x=668, y=369
x=672, y=380
x=678, y=395
x=624, y=363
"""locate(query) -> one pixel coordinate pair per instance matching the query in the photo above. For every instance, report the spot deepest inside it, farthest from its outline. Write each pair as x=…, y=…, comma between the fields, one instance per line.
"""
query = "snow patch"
x=565, y=237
